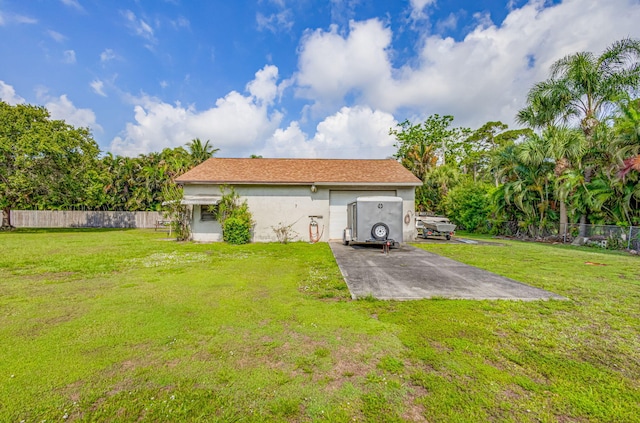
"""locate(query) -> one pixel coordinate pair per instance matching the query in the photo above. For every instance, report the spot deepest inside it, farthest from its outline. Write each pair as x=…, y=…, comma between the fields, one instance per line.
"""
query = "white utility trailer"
x=374, y=220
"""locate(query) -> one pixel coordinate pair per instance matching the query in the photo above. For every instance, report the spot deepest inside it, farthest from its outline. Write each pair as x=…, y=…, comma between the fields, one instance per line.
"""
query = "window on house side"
x=208, y=213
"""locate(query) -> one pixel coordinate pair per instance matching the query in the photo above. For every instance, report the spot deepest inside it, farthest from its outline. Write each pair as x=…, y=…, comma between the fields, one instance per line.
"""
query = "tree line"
x=47, y=164
x=576, y=161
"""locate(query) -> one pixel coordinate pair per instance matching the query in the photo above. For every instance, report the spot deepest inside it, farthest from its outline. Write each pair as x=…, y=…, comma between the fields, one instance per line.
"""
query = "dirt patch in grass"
x=52, y=276
x=414, y=410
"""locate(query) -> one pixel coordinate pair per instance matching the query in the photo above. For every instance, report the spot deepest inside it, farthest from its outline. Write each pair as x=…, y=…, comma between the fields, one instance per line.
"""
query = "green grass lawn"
x=126, y=326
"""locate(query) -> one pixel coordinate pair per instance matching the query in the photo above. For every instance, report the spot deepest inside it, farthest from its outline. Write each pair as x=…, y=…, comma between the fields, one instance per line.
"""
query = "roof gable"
x=300, y=171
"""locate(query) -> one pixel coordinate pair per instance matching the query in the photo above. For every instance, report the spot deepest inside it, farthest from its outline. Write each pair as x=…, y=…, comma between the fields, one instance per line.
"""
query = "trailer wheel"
x=448, y=237
x=380, y=231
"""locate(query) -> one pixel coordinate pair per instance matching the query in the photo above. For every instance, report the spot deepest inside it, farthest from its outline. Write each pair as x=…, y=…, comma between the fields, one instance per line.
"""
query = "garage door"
x=338, y=201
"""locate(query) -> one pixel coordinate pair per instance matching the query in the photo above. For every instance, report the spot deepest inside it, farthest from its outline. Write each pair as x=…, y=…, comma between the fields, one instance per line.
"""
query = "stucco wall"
x=273, y=206
x=409, y=232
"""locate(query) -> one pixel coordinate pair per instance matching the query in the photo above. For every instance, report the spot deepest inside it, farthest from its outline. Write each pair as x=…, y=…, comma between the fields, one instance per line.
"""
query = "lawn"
x=127, y=326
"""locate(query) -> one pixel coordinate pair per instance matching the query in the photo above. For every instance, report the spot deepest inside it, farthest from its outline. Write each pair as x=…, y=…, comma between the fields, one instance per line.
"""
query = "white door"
x=338, y=201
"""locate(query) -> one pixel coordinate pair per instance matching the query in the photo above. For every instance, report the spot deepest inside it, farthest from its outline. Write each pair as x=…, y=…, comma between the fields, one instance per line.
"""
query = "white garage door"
x=338, y=201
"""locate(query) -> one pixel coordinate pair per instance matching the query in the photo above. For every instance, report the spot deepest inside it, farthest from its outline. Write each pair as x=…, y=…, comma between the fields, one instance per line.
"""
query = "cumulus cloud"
x=98, y=87
x=351, y=132
x=484, y=76
x=358, y=63
x=236, y=124
x=62, y=108
x=8, y=94
x=264, y=87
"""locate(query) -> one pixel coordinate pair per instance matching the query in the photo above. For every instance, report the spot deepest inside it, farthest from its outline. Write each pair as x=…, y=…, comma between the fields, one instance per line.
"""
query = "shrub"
x=235, y=217
x=236, y=230
x=467, y=205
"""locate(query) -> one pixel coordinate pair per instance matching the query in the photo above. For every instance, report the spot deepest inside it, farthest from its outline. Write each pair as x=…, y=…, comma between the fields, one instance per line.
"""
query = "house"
x=296, y=192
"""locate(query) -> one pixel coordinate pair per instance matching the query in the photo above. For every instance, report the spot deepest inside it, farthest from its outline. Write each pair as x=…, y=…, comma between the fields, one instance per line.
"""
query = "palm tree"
x=562, y=146
x=200, y=152
x=584, y=88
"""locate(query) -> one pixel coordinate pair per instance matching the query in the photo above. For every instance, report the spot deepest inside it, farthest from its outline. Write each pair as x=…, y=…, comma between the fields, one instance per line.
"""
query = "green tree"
x=584, y=88
x=565, y=148
x=417, y=144
x=45, y=163
x=200, y=152
x=421, y=148
x=482, y=144
x=525, y=194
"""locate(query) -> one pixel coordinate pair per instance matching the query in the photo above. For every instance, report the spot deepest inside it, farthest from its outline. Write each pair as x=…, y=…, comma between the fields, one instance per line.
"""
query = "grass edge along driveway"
x=123, y=326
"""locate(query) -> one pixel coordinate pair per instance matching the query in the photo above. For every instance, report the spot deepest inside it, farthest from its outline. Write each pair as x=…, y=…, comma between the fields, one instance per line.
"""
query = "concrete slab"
x=409, y=273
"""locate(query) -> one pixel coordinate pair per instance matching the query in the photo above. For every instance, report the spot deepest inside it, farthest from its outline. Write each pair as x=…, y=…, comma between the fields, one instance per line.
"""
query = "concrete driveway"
x=410, y=273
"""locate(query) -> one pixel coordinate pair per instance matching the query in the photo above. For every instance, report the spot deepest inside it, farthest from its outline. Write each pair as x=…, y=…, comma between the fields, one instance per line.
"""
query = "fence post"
x=629, y=240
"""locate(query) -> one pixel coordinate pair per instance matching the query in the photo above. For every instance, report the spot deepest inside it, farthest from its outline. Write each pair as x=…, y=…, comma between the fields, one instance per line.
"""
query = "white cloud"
x=357, y=64
x=69, y=56
x=138, y=26
x=181, y=22
x=8, y=94
x=56, y=36
x=484, y=76
x=351, y=132
x=264, y=87
x=62, y=108
x=107, y=55
x=72, y=3
x=11, y=18
x=98, y=87
x=449, y=23
x=343, y=10
x=417, y=8
x=236, y=124
x=275, y=22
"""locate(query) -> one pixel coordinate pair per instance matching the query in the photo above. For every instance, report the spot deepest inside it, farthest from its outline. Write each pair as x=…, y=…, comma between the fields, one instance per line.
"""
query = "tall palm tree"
x=200, y=152
x=584, y=88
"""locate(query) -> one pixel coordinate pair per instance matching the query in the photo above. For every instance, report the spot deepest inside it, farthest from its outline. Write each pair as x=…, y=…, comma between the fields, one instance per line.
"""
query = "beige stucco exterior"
x=276, y=205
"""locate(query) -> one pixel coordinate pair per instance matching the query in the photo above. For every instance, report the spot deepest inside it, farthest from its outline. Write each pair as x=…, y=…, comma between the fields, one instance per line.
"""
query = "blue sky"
x=286, y=78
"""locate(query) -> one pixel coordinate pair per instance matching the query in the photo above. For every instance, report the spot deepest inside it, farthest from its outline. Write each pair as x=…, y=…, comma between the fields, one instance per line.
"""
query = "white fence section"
x=84, y=219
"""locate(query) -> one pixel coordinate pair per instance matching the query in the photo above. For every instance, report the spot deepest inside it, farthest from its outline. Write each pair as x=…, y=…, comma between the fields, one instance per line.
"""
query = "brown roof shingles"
x=299, y=171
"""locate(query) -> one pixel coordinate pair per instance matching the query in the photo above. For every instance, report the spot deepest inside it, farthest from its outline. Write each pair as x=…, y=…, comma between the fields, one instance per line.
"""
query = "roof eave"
x=326, y=183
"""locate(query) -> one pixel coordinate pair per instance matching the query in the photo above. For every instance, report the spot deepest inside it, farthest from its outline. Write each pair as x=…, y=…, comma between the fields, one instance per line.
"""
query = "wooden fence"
x=84, y=219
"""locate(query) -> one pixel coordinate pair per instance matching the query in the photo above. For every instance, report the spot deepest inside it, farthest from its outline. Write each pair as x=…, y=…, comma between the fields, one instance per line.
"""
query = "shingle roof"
x=300, y=171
